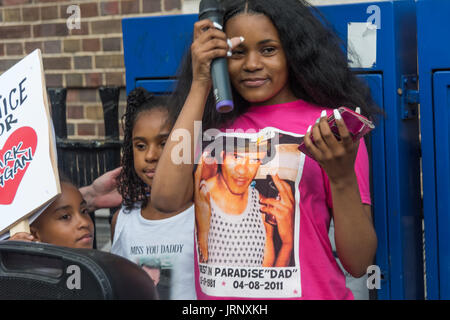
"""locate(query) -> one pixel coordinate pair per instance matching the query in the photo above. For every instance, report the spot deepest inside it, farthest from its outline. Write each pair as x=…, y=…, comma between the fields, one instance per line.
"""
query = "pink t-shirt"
x=313, y=272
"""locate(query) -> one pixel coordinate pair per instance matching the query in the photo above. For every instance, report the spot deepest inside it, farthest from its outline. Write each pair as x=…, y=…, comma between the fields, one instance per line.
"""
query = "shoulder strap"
x=122, y=219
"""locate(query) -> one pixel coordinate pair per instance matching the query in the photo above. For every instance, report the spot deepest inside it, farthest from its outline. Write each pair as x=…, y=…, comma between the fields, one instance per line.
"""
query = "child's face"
x=66, y=222
x=150, y=133
x=258, y=68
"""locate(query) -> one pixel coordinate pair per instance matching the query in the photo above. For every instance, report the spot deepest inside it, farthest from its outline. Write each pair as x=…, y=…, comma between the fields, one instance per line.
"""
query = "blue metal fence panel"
x=441, y=94
x=433, y=30
x=156, y=85
x=154, y=46
x=396, y=56
x=378, y=179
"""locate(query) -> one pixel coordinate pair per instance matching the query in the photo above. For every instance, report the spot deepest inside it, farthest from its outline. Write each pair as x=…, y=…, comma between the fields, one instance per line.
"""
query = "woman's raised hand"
x=336, y=156
x=209, y=43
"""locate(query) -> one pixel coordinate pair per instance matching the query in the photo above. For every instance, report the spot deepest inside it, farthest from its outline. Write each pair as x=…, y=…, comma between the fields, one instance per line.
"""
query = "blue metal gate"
x=433, y=34
x=153, y=50
x=395, y=157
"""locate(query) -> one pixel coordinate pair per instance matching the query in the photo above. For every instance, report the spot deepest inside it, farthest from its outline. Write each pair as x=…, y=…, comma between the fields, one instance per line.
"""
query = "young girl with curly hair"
x=140, y=232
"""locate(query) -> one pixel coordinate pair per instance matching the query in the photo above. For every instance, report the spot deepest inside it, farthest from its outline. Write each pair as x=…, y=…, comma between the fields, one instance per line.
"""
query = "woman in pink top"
x=287, y=70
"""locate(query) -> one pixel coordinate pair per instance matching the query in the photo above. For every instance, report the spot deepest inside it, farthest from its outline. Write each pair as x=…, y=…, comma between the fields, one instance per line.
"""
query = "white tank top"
x=162, y=246
x=237, y=240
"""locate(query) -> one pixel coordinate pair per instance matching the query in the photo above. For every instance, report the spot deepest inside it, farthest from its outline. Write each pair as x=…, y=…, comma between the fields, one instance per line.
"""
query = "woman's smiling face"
x=258, y=67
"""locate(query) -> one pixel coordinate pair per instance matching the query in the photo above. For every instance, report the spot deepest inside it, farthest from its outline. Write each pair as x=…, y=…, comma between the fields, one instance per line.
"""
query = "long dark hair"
x=130, y=186
x=318, y=66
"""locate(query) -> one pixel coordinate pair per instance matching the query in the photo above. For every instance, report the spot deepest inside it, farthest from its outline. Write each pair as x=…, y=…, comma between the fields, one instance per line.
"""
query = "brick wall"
x=80, y=60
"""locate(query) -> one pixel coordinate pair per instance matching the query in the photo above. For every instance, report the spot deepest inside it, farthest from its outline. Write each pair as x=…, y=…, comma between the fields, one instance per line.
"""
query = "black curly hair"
x=130, y=186
x=318, y=66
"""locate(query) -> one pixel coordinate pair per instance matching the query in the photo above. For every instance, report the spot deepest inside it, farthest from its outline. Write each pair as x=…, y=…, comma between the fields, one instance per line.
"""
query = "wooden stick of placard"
x=22, y=226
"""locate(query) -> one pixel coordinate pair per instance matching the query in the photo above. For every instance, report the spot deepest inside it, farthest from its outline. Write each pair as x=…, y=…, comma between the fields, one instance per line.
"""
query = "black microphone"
x=211, y=9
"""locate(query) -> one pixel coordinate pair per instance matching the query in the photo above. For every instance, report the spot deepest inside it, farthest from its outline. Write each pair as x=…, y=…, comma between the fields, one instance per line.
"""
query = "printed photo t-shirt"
x=259, y=159
x=162, y=248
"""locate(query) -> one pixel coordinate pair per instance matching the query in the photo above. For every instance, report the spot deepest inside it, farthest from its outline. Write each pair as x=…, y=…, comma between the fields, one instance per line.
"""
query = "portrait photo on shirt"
x=160, y=272
x=246, y=180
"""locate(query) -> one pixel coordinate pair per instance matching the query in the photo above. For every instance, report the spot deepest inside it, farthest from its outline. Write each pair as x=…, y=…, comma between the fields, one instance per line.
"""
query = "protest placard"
x=29, y=178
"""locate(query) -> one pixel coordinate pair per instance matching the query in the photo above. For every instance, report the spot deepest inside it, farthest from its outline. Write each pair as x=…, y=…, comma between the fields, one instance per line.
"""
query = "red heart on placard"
x=15, y=157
